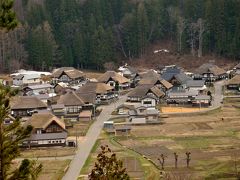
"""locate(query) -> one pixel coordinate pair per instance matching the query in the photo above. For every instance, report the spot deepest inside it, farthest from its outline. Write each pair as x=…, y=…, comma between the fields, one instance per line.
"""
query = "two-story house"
x=48, y=130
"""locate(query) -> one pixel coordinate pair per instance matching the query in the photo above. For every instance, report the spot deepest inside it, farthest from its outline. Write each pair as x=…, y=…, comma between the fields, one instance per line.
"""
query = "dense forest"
x=89, y=33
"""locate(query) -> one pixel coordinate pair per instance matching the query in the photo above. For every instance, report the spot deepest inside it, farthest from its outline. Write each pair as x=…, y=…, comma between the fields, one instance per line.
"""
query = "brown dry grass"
x=214, y=142
x=47, y=152
x=179, y=109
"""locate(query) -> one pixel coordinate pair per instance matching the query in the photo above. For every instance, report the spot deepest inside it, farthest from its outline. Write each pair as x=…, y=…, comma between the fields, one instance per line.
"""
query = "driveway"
x=85, y=147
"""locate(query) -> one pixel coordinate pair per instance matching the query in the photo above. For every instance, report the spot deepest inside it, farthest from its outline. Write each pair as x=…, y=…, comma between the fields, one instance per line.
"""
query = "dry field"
x=47, y=152
x=212, y=138
x=52, y=170
x=180, y=109
x=137, y=166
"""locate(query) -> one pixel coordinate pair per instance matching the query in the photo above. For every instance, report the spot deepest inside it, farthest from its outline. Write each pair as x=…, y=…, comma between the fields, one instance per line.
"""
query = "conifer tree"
x=10, y=138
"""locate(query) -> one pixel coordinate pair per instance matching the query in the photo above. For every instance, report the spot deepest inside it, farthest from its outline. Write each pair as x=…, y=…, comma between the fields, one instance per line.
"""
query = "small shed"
x=122, y=129
x=85, y=116
x=108, y=126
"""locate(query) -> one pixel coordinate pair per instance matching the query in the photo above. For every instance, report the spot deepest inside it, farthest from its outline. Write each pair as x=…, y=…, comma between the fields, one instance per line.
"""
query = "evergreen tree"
x=10, y=138
x=8, y=18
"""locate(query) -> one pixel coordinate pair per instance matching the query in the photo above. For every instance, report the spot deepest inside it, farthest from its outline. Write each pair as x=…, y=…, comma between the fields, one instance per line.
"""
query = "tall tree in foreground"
x=8, y=18
x=10, y=138
x=108, y=167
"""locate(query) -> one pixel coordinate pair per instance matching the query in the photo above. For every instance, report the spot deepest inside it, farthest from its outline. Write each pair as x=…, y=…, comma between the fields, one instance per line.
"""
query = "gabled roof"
x=39, y=86
x=210, y=68
x=182, y=78
x=115, y=76
x=142, y=90
x=27, y=102
x=153, y=78
x=87, y=97
x=235, y=80
x=157, y=92
x=95, y=87
x=69, y=71
x=170, y=72
x=70, y=99
x=43, y=120
x=73, y=74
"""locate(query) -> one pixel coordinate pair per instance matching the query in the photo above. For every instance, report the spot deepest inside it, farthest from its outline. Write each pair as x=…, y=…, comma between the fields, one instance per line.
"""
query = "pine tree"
x=10, y=138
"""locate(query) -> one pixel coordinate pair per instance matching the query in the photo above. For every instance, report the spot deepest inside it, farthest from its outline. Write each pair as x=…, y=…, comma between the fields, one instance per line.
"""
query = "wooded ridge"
x=88, y=33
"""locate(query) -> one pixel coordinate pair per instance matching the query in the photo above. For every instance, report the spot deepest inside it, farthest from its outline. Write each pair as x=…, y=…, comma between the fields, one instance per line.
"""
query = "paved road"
x=218, y=94
x=84, y=147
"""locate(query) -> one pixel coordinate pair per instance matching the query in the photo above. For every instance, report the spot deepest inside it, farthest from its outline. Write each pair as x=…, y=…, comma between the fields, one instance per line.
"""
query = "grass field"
x=213, y=139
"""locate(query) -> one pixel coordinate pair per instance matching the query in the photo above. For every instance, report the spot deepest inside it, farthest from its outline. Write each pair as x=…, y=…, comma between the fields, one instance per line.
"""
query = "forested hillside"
x=88, y=33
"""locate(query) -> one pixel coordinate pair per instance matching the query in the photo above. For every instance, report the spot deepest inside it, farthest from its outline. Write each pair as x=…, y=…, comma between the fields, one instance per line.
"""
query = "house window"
x=147, y=102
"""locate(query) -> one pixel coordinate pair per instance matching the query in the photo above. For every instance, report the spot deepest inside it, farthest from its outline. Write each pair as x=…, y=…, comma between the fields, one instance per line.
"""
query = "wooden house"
x=234, y=83
x=141, y=91
x=26, y=106
x=48, y=130
x=111, y=78
x=68, y=75
x=210, y=73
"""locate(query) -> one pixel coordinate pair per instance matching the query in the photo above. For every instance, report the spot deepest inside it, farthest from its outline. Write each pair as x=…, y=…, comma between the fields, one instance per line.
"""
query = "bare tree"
x=176, y=159
x=180, y=27
x=193, y=31
x=162, y=161
x=188, y=159
x=201, y=30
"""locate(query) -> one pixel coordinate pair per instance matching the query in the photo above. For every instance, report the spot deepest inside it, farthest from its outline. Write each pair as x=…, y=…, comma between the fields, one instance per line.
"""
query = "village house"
x=62, y=88
x=124, y=109
x=68, y=75
x=236, y=69
x=153, y=78
x=38, y=89
x=138, y=93
x=85, y=116
x=58, y=110
x=26, y=106
x=201, y=101
x=143, y=115
x=24, y=77
x=127, y=71
x=48, y=130
x=72, y=102
x=122, y=129
x=234, y=83
x=100, y=92
x=181, y=96
x=198, y=85
x=210, y=73
x=111, y=78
